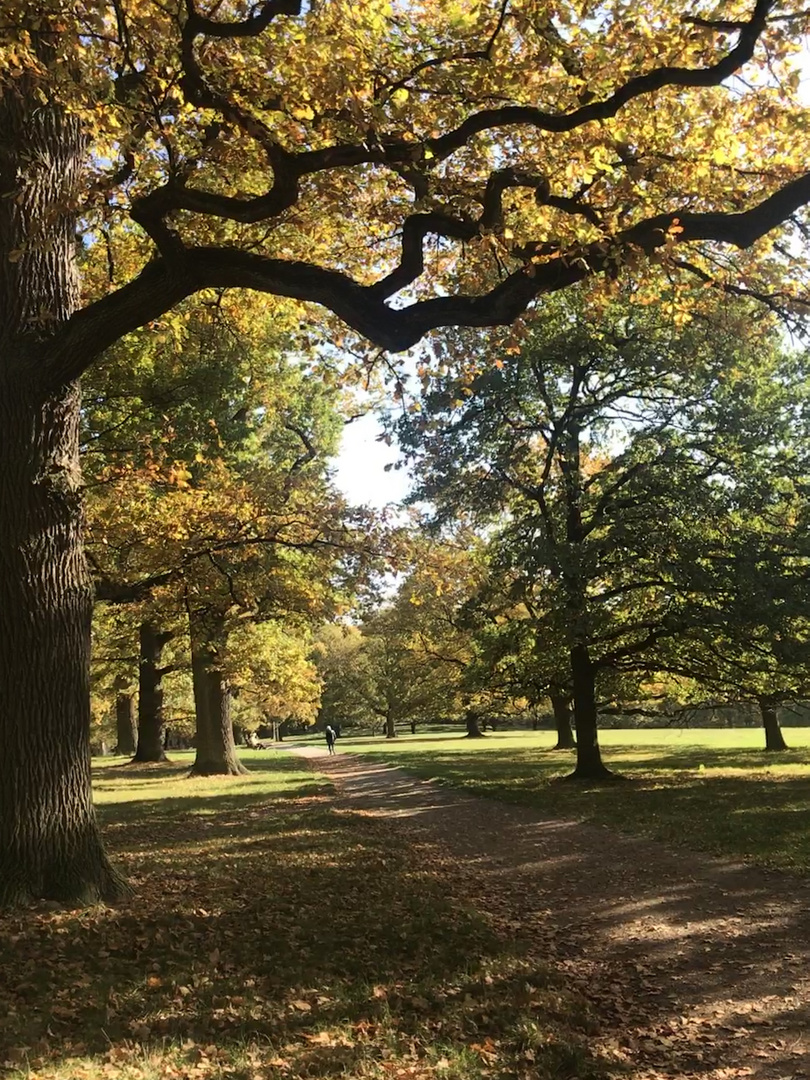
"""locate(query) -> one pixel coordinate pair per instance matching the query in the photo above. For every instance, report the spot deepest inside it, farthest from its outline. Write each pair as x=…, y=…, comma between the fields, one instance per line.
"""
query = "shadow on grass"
x=684, y=958
x=272, y=936
x=690, y=796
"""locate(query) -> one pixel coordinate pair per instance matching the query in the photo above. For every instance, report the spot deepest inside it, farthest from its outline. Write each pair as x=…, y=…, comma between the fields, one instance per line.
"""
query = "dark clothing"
x=330, y=739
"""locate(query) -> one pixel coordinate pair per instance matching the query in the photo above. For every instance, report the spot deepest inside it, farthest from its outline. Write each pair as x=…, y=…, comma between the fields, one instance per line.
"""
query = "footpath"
x=696, y=967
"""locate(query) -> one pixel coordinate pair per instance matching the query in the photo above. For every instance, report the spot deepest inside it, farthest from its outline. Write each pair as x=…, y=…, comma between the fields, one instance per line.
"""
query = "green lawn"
x=707, y=789
x=271, y=937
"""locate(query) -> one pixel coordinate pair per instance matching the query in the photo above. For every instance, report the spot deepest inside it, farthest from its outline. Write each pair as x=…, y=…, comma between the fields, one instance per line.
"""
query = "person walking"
x=329, y=732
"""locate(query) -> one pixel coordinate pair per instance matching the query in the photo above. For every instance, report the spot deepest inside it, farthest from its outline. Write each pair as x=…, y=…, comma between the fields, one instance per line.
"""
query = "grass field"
x=270, y=937
x=711, y=790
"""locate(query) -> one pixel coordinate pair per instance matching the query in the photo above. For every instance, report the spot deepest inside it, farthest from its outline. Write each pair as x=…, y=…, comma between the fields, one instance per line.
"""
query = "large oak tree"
x=404, y=166
x=615, y=462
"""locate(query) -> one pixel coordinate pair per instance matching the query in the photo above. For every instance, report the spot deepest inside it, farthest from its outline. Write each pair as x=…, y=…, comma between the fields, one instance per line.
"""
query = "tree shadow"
x=713, y=801
x=692, y=964
x=270, y=926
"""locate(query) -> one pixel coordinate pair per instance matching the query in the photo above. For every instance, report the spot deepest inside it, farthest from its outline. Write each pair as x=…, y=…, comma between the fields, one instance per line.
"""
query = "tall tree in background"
x=221, y=510
x=749, y=639
x=272, y=146
x=606, y=450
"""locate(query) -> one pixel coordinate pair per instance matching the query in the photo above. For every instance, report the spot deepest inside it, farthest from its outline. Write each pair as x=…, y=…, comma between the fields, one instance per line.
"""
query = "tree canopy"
x=406, y=167
x=627, y=472
x=272, y=146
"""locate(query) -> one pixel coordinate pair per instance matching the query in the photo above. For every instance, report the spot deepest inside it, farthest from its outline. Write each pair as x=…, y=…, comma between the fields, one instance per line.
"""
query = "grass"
x=272, y=937
x=709, y=790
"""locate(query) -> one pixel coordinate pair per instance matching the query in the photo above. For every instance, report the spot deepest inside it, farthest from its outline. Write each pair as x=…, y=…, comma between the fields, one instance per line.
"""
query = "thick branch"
x=197, y=24
x=161, y=286
x=289, y=168
x=655, y=80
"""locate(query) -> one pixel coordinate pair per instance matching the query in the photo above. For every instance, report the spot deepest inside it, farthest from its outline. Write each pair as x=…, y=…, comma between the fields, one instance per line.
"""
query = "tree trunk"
x=774, y=739
x=125, y=723
x=50, y=845
x=150, y=695
x=238, y=735
x=216, y=751
x=473, y=730
x=561, y=704
x=589, y=759
x=390, y=727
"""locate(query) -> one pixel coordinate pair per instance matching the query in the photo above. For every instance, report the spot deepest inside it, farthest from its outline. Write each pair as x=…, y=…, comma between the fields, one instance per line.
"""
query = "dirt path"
x=696, y=967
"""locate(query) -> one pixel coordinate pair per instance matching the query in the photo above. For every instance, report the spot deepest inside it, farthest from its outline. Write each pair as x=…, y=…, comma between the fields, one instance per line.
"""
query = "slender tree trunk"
x=125, y=723
x=774, y=739
x=390, y=727
x=589, y=758
x=150, y=695
x=216, y=751
x=238, y=735
x=50, y=845
x=561, y=704
x=473, y=730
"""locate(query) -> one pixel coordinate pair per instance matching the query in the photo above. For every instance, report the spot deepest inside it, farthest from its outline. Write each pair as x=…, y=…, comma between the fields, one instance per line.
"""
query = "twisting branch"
x=289, y=168
x=412, y=260
x=160, y=285
x=712, y=75
x=722, y=26
x=178, y=271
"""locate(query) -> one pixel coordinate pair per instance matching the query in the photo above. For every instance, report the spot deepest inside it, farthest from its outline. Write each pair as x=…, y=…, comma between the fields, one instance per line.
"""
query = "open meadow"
x=708, y=789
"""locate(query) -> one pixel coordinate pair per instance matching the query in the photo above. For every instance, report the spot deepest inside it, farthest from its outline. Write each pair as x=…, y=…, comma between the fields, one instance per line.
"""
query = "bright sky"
x=360, y=466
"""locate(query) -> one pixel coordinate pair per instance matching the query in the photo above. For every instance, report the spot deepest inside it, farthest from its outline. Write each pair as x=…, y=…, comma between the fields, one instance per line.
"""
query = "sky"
x=360, y=466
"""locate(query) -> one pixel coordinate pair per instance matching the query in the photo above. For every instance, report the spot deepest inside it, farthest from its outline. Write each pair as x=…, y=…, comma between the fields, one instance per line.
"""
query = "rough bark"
x=50, y=845
x=589, y=758
x=473, y=730
x=216, y=750
x=150, y=694
x=390, y=726
x=774, y=739
x=561, y=704
x=125, y=725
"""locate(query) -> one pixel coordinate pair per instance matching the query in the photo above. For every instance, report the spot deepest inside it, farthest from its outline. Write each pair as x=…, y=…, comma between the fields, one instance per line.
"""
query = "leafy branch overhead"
x=418, y=166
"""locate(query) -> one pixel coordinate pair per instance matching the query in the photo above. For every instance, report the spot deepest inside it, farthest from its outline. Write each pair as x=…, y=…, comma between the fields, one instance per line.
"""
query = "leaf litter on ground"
x=272, y=936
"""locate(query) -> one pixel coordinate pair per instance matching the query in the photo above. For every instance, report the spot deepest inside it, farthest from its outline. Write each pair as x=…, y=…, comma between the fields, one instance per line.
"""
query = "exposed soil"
x=695, y=967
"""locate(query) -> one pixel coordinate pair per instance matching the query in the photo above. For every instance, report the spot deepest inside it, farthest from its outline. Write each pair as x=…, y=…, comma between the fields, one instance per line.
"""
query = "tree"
x=605, y=452
x=515, y=651
x=272, y=672
x=222, y=511
x=402, y=684
x=751, y=641
x=539, y=150
x=407, y=660
x=347, y=682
